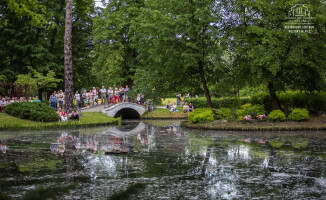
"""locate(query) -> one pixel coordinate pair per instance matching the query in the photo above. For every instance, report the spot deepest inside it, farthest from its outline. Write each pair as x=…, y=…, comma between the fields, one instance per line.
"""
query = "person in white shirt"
x=95, y=96
x=60, y=98
x=185, y=108
x=111, y=95
x=77, y=97
x=103, y=95
x=3, y=104
x=174, y=108
x=85, y=98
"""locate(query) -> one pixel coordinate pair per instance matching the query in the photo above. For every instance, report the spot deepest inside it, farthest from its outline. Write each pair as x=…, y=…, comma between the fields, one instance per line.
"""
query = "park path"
x=98, y=108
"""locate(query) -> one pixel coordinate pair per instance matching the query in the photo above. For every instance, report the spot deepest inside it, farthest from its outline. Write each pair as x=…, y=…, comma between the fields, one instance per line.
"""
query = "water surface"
x=157, y=160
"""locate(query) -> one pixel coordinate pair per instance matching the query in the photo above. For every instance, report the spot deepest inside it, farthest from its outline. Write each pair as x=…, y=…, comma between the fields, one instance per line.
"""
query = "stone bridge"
x=125, y=110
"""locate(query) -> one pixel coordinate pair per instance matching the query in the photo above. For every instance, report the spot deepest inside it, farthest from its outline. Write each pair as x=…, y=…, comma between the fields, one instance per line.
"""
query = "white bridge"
x=125, y=110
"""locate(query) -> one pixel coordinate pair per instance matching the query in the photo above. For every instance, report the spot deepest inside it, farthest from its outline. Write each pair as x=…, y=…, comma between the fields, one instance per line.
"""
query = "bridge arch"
x=125, y=110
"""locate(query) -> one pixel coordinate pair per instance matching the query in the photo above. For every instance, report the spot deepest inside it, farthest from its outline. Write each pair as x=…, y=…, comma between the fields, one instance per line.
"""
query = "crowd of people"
x=4, y=101
x=108, y=96
x=88, y=99
x=186, y=108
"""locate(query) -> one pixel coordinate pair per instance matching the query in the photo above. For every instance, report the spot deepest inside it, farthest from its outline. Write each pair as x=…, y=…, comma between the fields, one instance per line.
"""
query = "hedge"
x=41, y=112
x=314, y=101
x=225, y=102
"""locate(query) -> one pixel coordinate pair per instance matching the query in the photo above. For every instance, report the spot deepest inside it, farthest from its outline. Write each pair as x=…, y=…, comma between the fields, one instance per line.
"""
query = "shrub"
x=249, y=109
x=223, y=113
x=32, y=111
x=299, y=114
x=225, y=102
x=200, y=115
x=276, y=116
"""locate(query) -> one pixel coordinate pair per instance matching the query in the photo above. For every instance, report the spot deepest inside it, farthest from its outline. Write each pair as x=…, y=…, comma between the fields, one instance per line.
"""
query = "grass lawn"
x=8, y=122
x=161, y=113
x=165, y=101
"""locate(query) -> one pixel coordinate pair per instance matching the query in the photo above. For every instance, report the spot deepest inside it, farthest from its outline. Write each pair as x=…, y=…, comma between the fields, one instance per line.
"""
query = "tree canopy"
x=161, y=47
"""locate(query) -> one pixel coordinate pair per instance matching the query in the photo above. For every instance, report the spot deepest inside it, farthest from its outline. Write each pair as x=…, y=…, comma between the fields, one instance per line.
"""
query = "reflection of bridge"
x=120, y=133
x=125, y=110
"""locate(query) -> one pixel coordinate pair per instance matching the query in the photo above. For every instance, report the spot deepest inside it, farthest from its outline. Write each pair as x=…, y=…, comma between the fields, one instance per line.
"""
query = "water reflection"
x=173, y=162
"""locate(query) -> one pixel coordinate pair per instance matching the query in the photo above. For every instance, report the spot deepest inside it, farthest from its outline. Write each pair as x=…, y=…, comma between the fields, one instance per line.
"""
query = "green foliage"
x=25, y=43
x=223, y=113
x=313, y=101
x=174, y=38
x=249, y=109
x=34, y=80
x=115, y=47
x=201, y=115
x=28, y=83
x=264, y=53
x=29, y=8
x=41, y=112
x=299, y=114
x=226, y=102
x=276, y=116
x=48, y=81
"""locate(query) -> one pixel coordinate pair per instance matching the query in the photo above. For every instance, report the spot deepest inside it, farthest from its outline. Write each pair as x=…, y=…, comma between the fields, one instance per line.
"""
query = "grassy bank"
x=315, y=123
x=161, y=113
x=8, y=122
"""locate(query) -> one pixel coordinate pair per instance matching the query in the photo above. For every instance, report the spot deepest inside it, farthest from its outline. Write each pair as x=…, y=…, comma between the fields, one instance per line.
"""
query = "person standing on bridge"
x=121, y=91
x=125, y=94
x=116, y=95
x=103, y=95
x=110, y=95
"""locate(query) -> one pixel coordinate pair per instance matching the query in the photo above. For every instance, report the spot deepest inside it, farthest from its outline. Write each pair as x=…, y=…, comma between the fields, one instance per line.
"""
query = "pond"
x=161, y=160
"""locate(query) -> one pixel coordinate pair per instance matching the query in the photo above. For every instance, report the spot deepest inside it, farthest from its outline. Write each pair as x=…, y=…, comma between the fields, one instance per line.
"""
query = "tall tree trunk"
x=203, y=80
x=275, y=102
x=68, y=58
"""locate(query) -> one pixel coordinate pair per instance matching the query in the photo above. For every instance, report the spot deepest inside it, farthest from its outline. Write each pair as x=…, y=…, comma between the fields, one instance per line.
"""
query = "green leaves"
x=34, y=80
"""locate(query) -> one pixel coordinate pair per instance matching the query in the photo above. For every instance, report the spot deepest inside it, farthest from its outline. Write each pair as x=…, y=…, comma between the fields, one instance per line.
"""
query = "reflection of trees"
x=69, y=162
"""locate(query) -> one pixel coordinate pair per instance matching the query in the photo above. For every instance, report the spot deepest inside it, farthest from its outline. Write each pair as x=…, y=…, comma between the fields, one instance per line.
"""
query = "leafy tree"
x=29, y=8
x=28, y=84
x=178, y=44
x=115, y=50
x=43, y=82
x=266, y=53
x=24, y=43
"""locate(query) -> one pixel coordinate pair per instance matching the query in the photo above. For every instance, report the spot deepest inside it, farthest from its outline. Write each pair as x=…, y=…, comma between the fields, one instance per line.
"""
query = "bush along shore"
x=8, y=122
x=254, y=117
